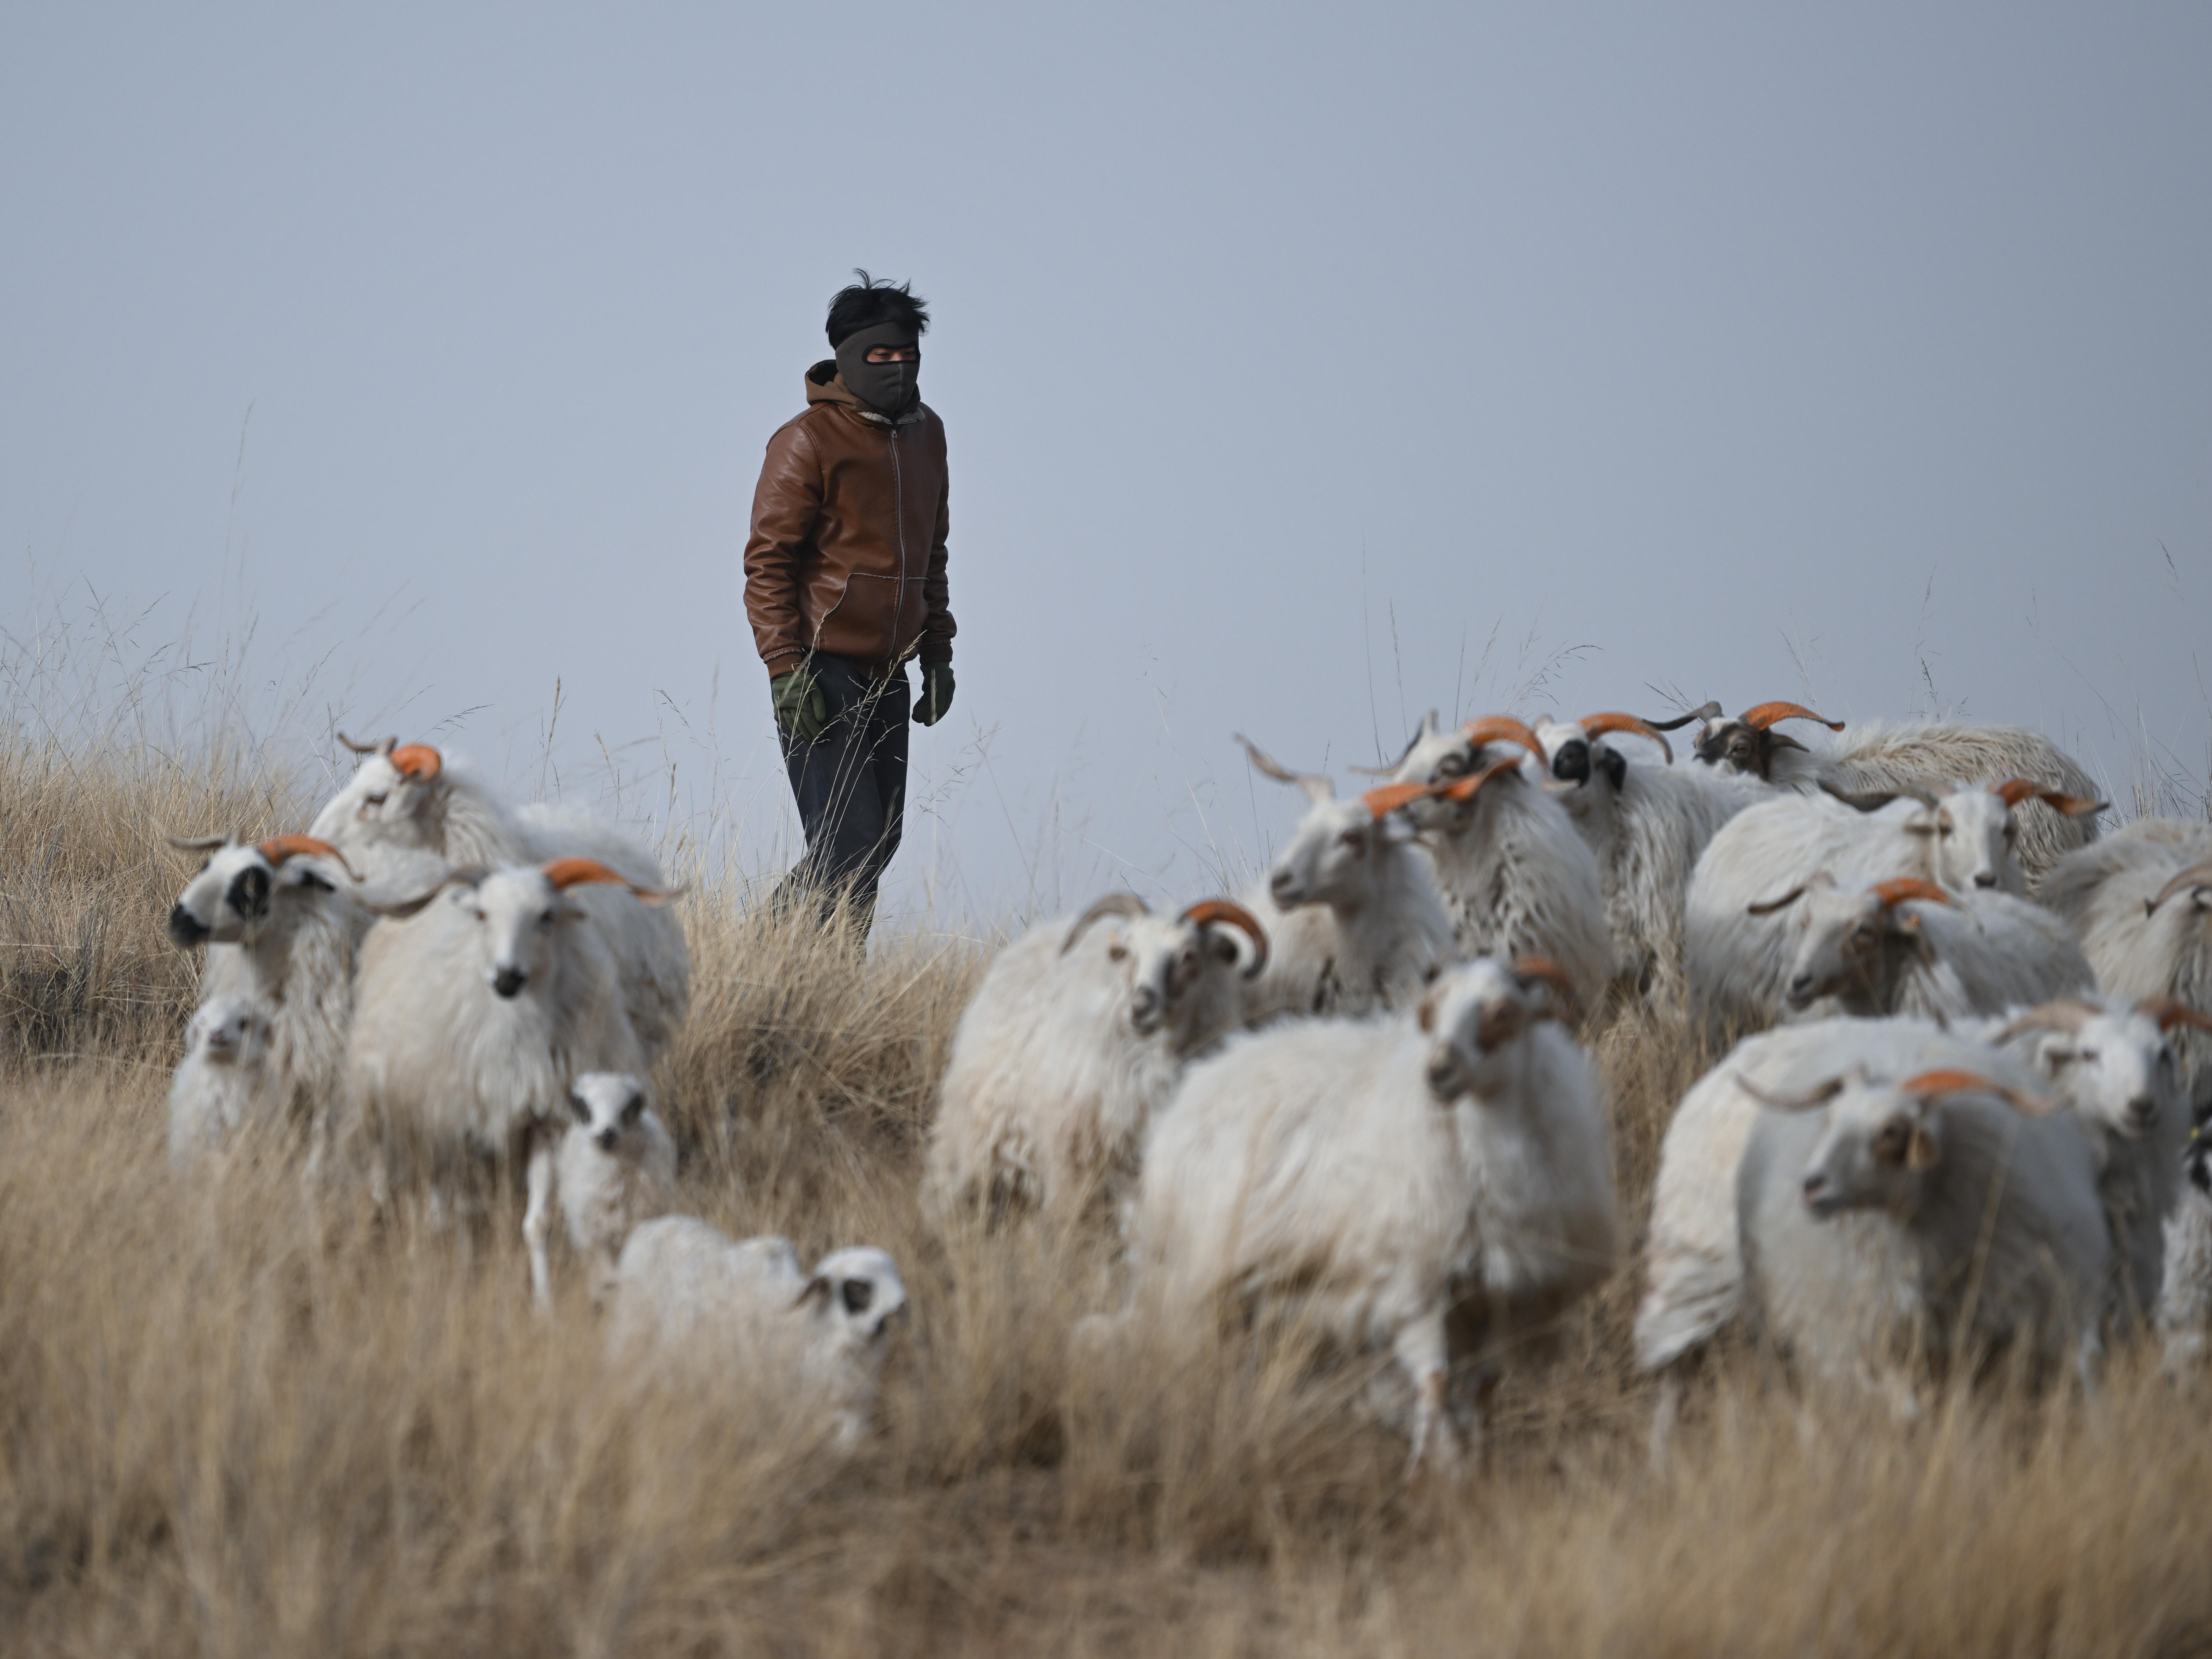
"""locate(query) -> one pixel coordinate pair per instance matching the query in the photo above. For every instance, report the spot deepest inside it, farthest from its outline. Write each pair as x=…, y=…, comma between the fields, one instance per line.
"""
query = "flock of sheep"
x=1956, y=1119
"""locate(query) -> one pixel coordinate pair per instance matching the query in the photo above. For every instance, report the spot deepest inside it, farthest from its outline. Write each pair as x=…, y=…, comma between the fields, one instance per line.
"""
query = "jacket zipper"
x=898, y=508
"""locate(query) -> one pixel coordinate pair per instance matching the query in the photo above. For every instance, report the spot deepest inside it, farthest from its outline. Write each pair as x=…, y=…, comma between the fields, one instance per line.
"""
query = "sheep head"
x=1335, y=854
x=1162, y=959
x=1475, y=1014
x=853, y=1295
x=396, y=796
x=1748, y=742
x=229, y=1031
x=1881, y=1139
x=1853, y=943
x=606, y=1106
x=2115, y=1065
x=235, y=891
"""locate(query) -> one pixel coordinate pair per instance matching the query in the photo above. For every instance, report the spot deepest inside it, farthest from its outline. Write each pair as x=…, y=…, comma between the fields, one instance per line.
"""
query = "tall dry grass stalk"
x=227, y=1429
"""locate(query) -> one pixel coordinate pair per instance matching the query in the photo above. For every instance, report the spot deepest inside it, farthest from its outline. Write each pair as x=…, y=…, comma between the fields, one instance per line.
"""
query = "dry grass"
x=222, y=1431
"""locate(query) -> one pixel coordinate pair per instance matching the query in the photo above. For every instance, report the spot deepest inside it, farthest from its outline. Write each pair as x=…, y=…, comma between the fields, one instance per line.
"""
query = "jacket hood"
x=824, y=385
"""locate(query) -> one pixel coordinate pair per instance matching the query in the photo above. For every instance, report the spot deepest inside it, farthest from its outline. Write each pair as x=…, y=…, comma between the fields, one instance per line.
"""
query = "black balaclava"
x=887, y=388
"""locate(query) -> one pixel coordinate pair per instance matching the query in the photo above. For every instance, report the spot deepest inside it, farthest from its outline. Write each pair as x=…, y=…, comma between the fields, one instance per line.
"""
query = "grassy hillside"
x=229, y=1426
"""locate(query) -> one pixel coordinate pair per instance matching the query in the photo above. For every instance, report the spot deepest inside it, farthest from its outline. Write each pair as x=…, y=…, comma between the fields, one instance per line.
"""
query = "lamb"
x=1904, y=755
x=1937, y=1219
x=281, y=932
x=2142, y=901
x=1909, y=946
x=1077, y=1035
x=615, y=1168
x=217, y=1088
x=1520, y=880
x=406, y=815
x=1352, y=908
x=480, y=1004
x=1406, y=1180
x=1647, y=825
x=2114, y=1065
x=690, y=1300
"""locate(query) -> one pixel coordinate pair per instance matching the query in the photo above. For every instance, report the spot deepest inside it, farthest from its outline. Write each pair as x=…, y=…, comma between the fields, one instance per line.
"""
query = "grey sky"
x=1288, y=355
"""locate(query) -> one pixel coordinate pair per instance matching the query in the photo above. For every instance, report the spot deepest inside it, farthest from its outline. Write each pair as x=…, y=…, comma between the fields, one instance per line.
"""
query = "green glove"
x=936, y=693
x=801, y=710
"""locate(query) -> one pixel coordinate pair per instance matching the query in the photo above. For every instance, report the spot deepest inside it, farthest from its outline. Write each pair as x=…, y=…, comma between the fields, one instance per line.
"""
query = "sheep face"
x=856, y=1293
x=229, y=1031
x=1852, y=945
x=519, y=913
x=1874, y=1152
x=1332, y=854
x=1731, y=745
x=1473, y=1015
x=232, y=896
x=2118, y=1068
x=1446, y=756
x=1161, y=959
x=1972, y=833
x=606, y=1106
x=393, y=799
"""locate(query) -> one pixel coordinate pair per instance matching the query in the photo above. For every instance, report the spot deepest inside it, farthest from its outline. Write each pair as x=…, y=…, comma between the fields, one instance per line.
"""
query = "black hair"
x=868, y=302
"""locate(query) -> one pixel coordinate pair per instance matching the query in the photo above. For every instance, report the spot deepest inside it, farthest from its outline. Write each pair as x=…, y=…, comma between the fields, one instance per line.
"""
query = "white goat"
x=282, y=931
x=1906, y=755
x=1352, y=909
x=1076, y=1037
x=1934, y=1220
x=406, y=814
x=2114, y=1065
x=690, y=1300
x=615, y=1168
x=1971, y=832
x=1519, y=880
x=2142, y=901
x=480, y=1004
x=218, y=1088
x=1390, y=1175
x=1647, y=825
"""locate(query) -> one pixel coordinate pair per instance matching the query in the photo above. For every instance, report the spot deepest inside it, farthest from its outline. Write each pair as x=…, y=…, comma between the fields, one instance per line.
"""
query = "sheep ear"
x=816, y=1288
x=1920, y=1149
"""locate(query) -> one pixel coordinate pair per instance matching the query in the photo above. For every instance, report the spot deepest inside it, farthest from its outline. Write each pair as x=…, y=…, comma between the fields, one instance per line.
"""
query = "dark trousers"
x=850, y=783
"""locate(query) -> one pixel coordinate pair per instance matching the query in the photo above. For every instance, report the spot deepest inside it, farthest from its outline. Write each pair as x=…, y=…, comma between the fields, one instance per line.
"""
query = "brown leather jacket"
x=846, y=553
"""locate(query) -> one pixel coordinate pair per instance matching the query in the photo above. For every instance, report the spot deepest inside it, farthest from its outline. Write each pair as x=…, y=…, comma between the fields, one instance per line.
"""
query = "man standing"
x=844, y=581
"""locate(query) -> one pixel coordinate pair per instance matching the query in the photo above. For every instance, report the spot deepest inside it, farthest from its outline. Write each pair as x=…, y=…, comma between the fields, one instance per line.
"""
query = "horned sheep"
x=1077, y=1035
x=1936, y=1219
x=692, y=1303
x=1408, y=1181
x=1519, y=880
x=407, y=814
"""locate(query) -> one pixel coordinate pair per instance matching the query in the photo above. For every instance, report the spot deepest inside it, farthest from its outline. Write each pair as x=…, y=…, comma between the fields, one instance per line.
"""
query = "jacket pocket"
x=861, y=623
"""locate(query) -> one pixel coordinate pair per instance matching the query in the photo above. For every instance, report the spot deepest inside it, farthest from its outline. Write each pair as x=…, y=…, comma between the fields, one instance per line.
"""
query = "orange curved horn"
x=277, y=848
x=1466, y=788
x=1391, y=796
x=2013, y=791
x=1206, y=912
x=1599, y=726
x=1899, y=889
x=2170, y=1011
x=565, y=873
x=1950, y=1080
x=1503, y=728
x=1548, y=973
x=418, y=761
x=1766, y=713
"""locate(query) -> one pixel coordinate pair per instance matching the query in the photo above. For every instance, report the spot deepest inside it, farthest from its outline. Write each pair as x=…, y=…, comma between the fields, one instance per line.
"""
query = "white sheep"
x=2184, y=1307
x=479, y=1005
x=218, y=1088
x=1352, y=909
x=281, y=930
x=1908, y=947
x=2142, y=901
x=1519, y=877
x=691, y=1301
x=2114, y=1065
x=1885, y=1225
x=1077, y=1035
x=1970, y=833
x=1900, y=754
x=407, y=814
x=1647, y=824
x=615, y=1168
x=1405, y=1180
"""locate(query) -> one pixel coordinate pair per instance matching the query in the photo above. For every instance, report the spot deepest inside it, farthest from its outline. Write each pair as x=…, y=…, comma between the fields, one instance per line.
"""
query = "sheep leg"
x=1664, y=1416
x=1421, y=1353
x=538, y=1216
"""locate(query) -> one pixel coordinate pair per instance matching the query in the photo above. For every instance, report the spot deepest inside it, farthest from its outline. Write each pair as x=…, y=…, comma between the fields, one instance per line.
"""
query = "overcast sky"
x=1303, y=368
